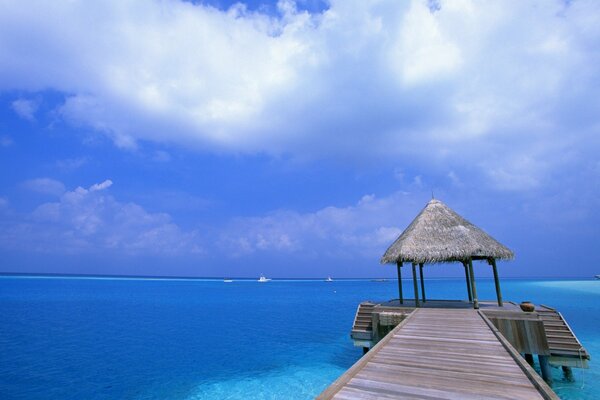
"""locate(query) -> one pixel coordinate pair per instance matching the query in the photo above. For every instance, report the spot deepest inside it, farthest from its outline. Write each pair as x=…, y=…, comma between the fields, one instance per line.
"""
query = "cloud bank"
x=505, y=88
x=88, y=221
x=91, y=222
x=361, y=230
x=25, y=109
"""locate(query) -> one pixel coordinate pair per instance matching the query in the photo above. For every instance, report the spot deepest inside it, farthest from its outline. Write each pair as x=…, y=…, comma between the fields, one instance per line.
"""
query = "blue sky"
x=217, y=138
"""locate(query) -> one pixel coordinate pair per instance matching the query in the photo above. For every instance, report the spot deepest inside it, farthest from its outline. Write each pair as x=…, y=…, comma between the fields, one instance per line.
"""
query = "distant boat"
x=328, y=279
x=597, y=276
x=227, y=280
x=379, y=280
x=263, y=279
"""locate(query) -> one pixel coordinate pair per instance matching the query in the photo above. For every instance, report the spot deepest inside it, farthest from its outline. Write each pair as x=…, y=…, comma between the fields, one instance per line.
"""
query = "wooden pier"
x=441, y=354
x=543, y=332
x=454, y=349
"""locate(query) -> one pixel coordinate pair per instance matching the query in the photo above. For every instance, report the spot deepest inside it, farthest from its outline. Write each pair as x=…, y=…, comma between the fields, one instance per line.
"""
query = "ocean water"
x=66, y=338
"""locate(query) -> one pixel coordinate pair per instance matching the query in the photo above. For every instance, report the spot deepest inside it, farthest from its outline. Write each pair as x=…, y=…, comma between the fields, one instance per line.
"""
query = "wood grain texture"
x=562, y=341
x=438, y=354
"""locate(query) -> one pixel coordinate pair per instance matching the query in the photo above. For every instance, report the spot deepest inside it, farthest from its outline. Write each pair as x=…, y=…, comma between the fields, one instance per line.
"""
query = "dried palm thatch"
x=439, y=234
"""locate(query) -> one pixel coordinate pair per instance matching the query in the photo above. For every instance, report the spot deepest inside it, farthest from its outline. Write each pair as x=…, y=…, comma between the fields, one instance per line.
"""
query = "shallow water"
x=191, y=339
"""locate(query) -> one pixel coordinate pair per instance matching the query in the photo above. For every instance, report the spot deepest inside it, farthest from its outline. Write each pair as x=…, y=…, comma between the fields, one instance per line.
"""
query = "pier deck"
x=441, y=354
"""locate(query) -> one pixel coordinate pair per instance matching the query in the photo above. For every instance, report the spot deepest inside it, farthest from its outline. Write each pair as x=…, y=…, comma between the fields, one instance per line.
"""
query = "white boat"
x=227, y=280
x=263, y=279
x=328, y=279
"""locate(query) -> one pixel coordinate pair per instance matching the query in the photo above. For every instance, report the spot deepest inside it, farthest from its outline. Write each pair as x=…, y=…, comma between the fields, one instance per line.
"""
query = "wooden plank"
x=458, y=384
x=439, y=354
x=561, y=338
x=509, y=375
x=525, y=332
x=543, y=388
x=342, y=380
x=408, y=392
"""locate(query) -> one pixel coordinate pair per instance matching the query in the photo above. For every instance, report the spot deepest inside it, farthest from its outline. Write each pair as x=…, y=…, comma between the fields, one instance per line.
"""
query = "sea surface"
x=100, y=338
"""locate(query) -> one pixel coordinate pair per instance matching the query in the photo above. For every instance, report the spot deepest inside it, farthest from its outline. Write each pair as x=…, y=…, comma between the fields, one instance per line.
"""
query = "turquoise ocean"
x=106, y=338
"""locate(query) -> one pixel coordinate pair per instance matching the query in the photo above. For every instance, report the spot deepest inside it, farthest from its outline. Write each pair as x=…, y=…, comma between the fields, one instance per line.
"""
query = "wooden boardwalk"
x=441, y=354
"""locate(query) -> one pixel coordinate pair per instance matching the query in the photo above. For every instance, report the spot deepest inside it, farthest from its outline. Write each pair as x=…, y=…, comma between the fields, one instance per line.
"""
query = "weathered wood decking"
x=441, y=354
x=564, y=346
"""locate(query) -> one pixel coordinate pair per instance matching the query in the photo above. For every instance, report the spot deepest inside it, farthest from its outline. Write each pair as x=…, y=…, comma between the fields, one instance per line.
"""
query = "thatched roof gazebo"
x=440, y=235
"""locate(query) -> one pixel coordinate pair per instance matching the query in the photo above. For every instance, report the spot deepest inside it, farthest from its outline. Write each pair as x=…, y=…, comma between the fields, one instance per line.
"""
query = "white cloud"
x=514, y=178
x=364, y=229
x=90, y=220
x=101, y=186
x=431, y=84
x=423, y=52
x=45, y=186
x=86, y=221
x=25, y=109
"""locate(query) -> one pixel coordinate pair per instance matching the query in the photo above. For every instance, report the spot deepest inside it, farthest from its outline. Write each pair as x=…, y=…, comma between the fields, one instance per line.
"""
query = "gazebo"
x=440, y=235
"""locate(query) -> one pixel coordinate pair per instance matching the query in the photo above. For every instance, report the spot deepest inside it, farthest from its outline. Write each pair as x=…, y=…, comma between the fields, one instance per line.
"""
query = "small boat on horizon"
x=227, y=280
x=328, y=279
x=263, y=278
x=597, y=276
x=379, y=280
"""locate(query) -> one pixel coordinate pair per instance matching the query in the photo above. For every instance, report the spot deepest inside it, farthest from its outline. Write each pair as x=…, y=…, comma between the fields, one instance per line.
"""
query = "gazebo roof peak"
x=439, y=234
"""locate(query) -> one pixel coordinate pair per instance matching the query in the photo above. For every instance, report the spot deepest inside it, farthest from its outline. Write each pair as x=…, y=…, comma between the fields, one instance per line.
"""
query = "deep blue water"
x=64, y=338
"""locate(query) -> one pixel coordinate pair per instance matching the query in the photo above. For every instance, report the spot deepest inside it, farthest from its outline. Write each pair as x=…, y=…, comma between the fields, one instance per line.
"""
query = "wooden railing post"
x=399, y=267
x=468, y=281
x=545, y=368
x=473, y=287
x=416, y=287
x=492, y=262
x=422, y=282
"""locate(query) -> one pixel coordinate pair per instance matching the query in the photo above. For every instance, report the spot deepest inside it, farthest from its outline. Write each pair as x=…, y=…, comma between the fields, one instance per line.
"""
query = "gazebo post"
x=399, y=266
x=492, y=262
x=422, y=282
x=473, y=288
x=416, y=287
x=468, y=281
x=439, y=235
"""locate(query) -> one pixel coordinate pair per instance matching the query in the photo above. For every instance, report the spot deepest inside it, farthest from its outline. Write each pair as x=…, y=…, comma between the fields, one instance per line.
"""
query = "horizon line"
x=175, y=277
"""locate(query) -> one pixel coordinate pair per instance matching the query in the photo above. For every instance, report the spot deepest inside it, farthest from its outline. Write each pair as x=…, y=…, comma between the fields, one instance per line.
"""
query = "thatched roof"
x=439, y=234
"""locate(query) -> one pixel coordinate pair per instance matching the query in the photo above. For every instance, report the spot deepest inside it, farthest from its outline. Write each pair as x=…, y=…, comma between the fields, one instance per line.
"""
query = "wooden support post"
x=492, y=262
x=400, y=297
x=375, y=328
x=468, y=281
x=546, y=369
x=568, y=373
x=422, y=282
x=473, y=287
x=416, y=287
x=529, y=358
